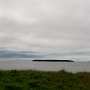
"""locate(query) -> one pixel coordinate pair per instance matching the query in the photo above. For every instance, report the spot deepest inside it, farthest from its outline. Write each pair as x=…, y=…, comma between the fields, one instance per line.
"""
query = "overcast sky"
x=46, y=26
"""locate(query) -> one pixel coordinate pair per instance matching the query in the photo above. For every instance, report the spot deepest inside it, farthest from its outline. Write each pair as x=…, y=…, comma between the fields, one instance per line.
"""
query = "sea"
x=28, y=64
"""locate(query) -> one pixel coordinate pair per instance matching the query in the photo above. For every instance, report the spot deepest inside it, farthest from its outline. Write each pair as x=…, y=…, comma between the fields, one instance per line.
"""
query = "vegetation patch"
x=40, y=80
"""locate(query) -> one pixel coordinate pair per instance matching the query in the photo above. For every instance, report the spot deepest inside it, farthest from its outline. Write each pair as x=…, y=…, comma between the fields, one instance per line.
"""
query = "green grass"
x=38, y=80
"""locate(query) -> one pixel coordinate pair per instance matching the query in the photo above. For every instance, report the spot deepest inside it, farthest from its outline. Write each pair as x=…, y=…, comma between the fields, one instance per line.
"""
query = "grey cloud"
x=45, y=25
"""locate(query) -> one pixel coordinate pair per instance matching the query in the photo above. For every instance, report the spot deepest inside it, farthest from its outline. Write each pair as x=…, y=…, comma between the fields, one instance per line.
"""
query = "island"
x=48, y=60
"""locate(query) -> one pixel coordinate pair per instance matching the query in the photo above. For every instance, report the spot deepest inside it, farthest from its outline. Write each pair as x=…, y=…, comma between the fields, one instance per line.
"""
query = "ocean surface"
x=28, y=64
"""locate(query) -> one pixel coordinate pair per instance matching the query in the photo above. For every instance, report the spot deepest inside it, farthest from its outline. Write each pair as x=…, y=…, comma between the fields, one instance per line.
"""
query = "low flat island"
x=48, y=60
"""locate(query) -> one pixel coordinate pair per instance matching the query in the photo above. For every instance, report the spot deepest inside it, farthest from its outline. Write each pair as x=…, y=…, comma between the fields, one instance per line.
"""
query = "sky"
x=60, y=28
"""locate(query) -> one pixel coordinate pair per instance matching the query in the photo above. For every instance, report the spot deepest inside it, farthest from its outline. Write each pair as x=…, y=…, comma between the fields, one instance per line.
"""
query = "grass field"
x=38, y=80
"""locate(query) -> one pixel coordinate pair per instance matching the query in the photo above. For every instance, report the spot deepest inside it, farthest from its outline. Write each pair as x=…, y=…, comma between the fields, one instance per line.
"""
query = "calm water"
x=8, y=64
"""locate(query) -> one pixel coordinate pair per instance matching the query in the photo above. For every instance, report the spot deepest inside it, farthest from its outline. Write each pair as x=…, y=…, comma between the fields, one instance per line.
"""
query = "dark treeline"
x=48, y=60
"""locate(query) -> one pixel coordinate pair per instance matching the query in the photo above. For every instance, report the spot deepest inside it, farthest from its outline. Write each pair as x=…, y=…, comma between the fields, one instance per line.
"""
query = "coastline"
x=45, y=66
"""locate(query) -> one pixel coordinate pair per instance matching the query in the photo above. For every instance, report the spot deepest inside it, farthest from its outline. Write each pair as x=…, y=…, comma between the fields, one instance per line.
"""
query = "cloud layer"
x=45, y=25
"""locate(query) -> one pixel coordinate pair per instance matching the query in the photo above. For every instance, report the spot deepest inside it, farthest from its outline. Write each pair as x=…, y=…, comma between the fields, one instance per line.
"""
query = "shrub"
x=12, y=87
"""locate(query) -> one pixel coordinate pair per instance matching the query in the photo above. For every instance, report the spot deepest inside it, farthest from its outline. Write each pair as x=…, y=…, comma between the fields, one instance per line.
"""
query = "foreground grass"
x=37, y=80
